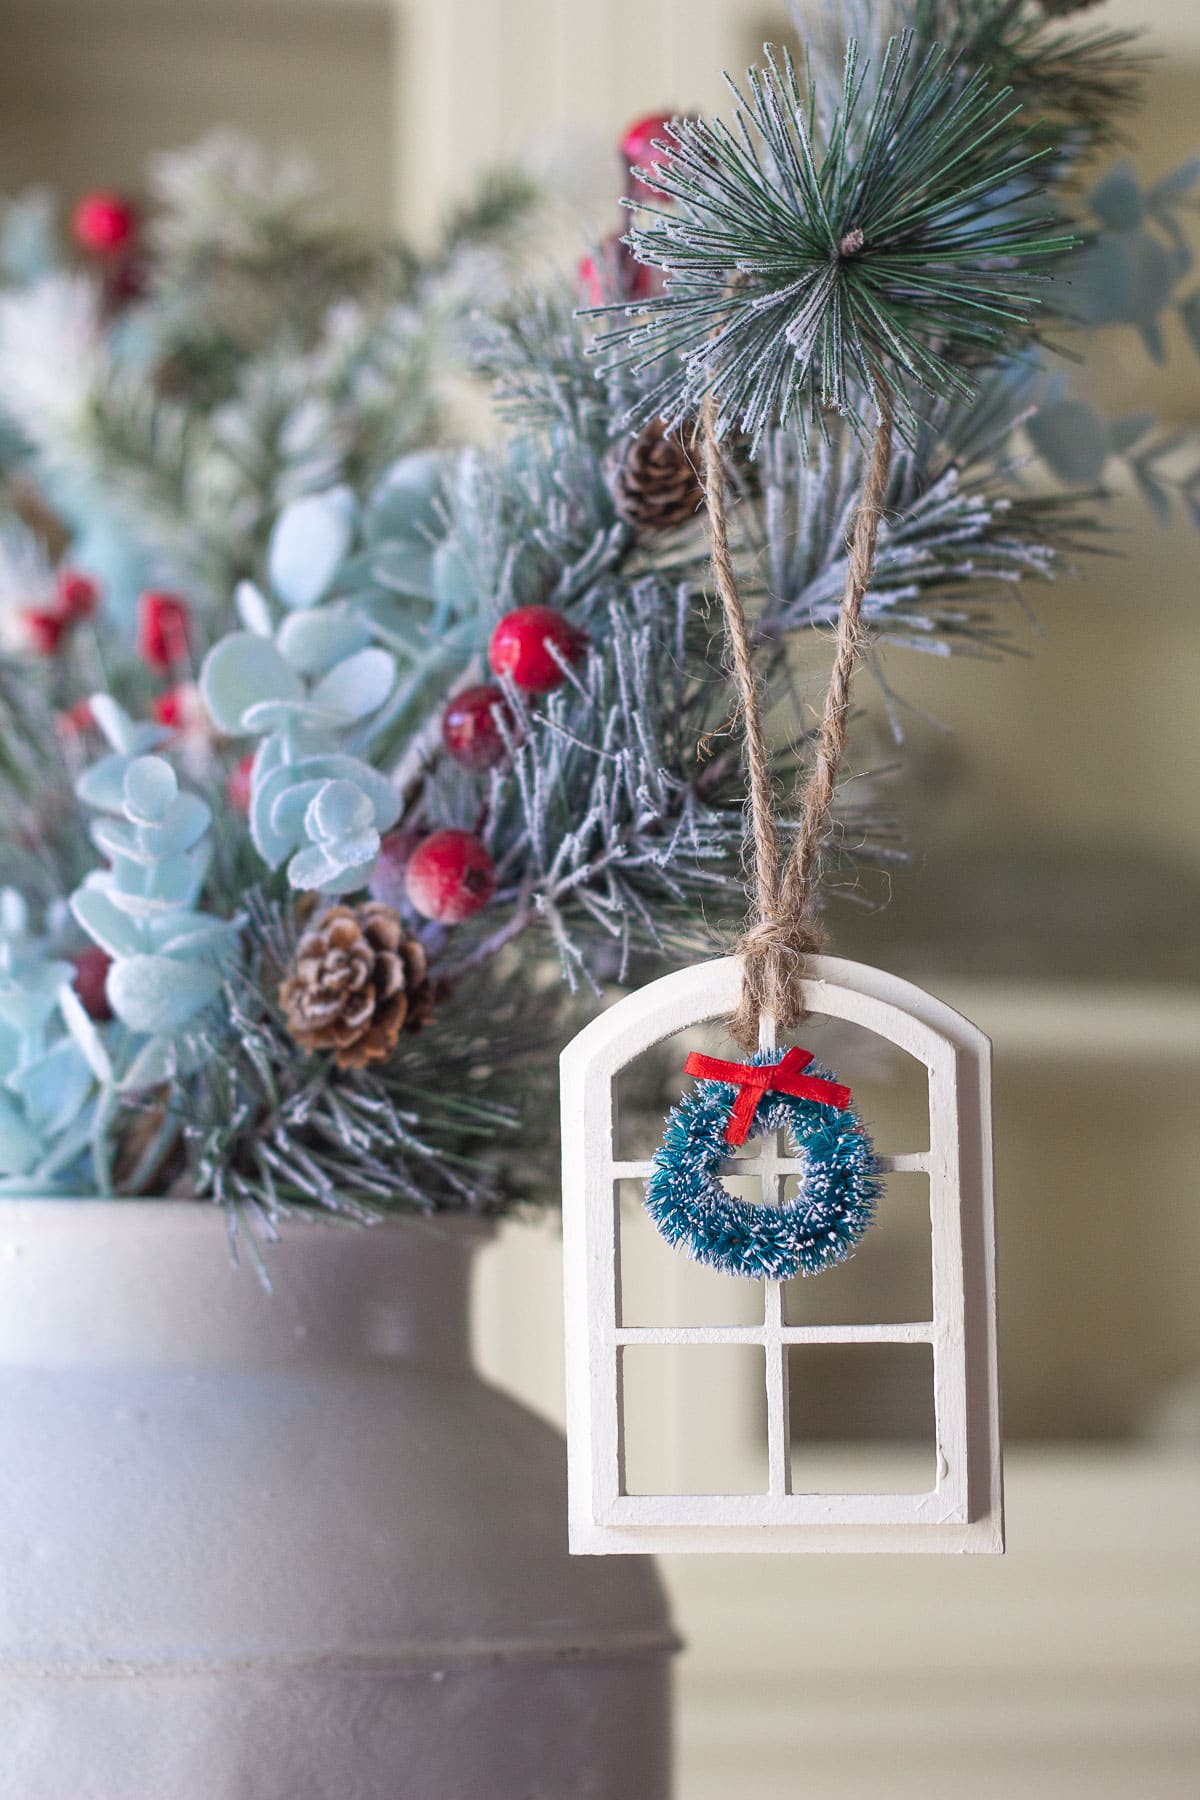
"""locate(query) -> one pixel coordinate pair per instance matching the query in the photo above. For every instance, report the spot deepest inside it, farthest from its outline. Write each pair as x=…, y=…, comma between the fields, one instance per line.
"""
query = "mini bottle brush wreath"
x=839, y=1186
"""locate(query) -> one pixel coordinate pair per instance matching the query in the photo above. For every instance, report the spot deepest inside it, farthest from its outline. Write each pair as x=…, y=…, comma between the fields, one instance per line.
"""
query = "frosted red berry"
x=471, y=727
x=637, y=146
x=104, y=223
x=91, y=973
x=76, y=721
x=78, y=595
x=163, y=630
x=238, y=785
x=43, y=630
x=530, y=646
x=587, y=279
x=617, y=275
x=449, y=877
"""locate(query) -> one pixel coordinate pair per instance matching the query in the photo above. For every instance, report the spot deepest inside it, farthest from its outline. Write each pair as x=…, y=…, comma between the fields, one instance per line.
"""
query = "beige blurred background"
x=1054, y=899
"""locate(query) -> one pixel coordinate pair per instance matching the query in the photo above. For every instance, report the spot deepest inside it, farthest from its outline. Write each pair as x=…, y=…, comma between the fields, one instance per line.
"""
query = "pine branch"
x=1078, y=84
x=804, y=266
x=957, y=545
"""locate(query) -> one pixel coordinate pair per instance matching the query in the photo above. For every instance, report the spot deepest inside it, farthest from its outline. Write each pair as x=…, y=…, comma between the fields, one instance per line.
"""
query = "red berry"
x=450, y=876
x=43, y=630
x=78, y=595
x=470, y=730
x=167, y=709
x=523, y=646
x=103, y=223
x=587, y=277
x=637, y=147
x=162, y=635
x=76, y=721
x=237, y=786
x=617, y=276
x=91, y=972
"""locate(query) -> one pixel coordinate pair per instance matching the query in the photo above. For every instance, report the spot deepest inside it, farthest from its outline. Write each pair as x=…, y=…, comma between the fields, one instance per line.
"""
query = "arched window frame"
x=963, y=1511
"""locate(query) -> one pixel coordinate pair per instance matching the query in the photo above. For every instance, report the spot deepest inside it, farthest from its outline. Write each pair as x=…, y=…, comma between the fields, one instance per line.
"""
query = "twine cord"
x=784, y=928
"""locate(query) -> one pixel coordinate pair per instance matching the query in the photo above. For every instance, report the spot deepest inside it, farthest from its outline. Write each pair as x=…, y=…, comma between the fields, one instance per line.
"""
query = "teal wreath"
x=817, y=1228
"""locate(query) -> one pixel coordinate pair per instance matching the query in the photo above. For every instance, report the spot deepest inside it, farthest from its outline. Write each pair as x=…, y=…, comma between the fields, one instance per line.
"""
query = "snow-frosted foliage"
x=170, y=959
x=308, y=686
x=226, y=193
x=26, y=583
x=52, y=356
x=52, y=1062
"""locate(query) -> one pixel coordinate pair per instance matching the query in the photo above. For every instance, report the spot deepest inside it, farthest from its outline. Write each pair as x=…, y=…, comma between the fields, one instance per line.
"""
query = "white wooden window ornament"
x=962, y=1510
x=809, y=1129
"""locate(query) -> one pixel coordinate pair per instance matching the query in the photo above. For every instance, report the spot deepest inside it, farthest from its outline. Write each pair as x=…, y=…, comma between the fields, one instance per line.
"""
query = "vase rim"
x=62, y=1208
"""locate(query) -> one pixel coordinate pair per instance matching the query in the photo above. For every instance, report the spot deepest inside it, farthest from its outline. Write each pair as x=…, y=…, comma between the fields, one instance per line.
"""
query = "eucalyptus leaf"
x=85, y=1032
x=20, y=1145
x=407, y=501
x=358, y=686
x=241, y=671
x=309, y=541
x=53, y=1086
x=339, y=809
x=314, y=642
x=105, y=923
x=253, y=609
x=159, y=994
x=151, y=787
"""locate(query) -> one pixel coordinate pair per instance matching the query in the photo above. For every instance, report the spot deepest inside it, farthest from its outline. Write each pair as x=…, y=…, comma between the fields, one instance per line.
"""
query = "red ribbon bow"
x=753, y=1080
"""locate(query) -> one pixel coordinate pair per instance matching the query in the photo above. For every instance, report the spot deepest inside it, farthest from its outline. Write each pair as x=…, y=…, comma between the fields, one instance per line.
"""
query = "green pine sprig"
x=1077, y=83
x=812, y=268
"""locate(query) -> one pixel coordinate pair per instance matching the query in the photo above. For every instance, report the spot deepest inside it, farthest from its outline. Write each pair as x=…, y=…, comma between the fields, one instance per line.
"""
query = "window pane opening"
x=862, y=1418
x=889, y=1278
x=694, y=1419
x=661, y=1285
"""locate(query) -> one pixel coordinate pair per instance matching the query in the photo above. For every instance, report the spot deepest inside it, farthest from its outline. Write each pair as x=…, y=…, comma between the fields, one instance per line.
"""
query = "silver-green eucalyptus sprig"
x=170, y=958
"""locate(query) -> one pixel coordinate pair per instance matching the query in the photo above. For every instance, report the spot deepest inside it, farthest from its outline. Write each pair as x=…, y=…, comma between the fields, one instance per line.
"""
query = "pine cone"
x=357, y=981
x=653, y=480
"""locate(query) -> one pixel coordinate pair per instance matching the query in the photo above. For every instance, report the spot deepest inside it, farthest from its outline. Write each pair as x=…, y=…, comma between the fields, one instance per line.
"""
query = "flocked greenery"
x=905, y=223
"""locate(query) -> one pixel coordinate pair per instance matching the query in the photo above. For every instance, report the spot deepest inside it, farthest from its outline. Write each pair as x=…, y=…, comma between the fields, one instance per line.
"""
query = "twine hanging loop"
x=784, y=927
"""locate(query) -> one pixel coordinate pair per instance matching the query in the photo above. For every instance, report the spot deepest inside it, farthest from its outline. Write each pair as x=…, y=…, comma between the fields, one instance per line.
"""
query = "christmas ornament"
x=104, y=224
x=163, y=631
x=532, y=646
x=653, y=480
x=471, y=728
x=357, y=981
x=449, y=877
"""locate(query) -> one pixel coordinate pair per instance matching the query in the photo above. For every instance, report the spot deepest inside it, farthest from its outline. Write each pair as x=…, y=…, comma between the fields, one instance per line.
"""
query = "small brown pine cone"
x=357, y=981
x=653, y=480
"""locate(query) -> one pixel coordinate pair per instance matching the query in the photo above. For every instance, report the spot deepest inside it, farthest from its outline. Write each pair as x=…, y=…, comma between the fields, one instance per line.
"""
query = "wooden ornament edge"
x=880, y=1002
